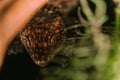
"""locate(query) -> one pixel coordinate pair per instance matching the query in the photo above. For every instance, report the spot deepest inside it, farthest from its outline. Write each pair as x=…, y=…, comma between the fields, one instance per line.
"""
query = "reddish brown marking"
x=30, y=38
x=61, y=10
x=58, y=18
x=36, y=30
x=57, y=31
x=51, y=27
x=49, y=37
x=33, y=35
x=57, y=23
x=37, y=62
x=24, y=41
x=48, y=58
x=46, y=25
x=45, y=44
x=23, y=33
x=33, y=45
x=40, y=20
x=32, y=55
x=28, y=31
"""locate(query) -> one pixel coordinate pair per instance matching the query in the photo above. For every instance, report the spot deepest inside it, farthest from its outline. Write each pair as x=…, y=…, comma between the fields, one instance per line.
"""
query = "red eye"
x=43, y=36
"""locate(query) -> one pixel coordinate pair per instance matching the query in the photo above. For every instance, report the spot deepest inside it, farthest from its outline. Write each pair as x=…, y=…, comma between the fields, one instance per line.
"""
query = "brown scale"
x=44, y=35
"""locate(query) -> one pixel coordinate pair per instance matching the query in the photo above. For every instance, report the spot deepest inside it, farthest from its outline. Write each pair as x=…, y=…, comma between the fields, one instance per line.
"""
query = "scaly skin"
x=43, y=35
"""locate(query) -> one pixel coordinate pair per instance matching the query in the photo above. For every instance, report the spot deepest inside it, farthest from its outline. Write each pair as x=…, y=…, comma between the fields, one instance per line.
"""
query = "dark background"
x=19, y=67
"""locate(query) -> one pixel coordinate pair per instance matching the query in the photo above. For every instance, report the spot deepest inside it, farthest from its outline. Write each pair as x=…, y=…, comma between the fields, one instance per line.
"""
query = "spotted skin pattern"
x=44, y=35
